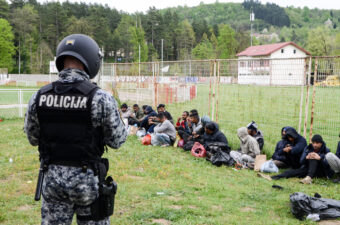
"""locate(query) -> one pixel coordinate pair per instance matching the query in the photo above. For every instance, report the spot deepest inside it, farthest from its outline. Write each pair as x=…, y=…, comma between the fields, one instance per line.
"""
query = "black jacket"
x=149, y=112
x=298, y=145
x=279, y=154
x=322, y=153
x=338, y=150
x=216, y=136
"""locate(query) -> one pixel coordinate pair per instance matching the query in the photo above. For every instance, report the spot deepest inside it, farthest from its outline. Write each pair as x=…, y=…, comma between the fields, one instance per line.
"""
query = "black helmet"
x=84, y=49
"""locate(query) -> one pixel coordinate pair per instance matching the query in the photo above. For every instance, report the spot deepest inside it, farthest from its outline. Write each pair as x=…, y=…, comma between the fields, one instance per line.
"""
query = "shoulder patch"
x=46, y=88
x=86, y=87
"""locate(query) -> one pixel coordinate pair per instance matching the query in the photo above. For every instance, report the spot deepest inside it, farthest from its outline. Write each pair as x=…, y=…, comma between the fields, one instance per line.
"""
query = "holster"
x=103, y=206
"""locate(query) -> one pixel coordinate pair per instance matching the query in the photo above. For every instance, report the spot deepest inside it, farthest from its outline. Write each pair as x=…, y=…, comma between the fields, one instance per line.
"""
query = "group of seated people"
x=305, y=161
x=292, y=151
x=159, y=123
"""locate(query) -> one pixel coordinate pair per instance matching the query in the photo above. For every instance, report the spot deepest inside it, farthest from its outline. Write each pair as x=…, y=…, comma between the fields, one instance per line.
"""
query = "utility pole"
x=252, y=18
x=162, y=56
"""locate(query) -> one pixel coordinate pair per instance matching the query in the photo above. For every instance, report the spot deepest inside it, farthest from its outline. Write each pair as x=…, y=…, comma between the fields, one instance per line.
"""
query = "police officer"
x=72, y=120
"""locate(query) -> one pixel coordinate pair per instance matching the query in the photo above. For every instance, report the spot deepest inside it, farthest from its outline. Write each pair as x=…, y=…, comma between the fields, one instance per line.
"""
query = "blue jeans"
x=163, y=139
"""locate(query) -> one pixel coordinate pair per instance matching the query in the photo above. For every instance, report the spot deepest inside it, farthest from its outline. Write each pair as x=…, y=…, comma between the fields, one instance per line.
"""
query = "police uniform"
x=72, y=120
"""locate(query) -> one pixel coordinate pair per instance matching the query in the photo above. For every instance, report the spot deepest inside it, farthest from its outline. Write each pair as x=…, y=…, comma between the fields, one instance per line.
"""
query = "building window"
x=294, y=51
x=242, y=64
x=282, y=50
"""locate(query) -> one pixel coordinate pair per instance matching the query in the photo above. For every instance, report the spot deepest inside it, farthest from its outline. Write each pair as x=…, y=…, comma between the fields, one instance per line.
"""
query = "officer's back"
x=72, y=120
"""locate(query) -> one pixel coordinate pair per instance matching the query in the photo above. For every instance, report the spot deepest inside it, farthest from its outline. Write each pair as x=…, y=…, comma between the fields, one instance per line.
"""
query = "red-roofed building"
x=272, y=64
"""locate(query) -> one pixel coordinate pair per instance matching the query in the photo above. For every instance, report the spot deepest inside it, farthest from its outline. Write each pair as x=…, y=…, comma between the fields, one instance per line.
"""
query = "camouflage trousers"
x=68, y=191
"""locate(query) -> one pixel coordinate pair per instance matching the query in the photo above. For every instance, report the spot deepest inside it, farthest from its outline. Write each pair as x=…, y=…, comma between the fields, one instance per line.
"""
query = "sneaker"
x=306, y=180
x=165, y=145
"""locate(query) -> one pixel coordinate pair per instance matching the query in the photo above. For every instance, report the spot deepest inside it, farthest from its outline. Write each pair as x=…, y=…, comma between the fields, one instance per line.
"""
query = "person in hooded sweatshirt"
x=279, y=157
x=149, y=112
x=293, y=148
x=213, y=134
x=249, y=148
x=334, y=162
x=313, y=162
x=256, y=133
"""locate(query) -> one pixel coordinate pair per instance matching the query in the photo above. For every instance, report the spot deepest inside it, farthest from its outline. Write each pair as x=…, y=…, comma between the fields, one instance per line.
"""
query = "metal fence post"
x=313, y=99
x=20, y=102
x=307, y=97
x=210, y=75
x=218, y=89
x=213, y=94
x=301, y=94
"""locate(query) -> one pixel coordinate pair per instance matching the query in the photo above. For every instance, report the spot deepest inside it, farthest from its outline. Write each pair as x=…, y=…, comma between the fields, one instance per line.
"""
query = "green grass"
x=271, y=107
x=156, y=183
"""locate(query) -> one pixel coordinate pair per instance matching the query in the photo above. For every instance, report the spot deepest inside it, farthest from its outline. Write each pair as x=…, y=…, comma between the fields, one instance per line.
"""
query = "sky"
x=132, y=6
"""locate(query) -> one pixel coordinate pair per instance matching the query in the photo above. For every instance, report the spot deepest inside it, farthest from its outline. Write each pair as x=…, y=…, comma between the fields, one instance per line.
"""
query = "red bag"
x=198, y=150
x=146, y=140
x=180, y=143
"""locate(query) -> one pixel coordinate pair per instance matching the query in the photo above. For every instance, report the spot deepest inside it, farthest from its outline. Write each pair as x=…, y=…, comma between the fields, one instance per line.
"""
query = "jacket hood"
x=292, y=132
x=205, y=120
x=212, y=126
x=285, y=129
x=242, y=133
x=148, y=109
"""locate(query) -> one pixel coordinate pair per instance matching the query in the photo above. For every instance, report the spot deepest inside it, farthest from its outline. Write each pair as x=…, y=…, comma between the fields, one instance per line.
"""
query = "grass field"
x=271, y=107
x=156, y=185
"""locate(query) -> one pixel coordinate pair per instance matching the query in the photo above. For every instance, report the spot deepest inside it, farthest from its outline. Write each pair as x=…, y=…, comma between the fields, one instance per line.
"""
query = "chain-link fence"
x=324, y=114
x=13, y=102
x=300, y=92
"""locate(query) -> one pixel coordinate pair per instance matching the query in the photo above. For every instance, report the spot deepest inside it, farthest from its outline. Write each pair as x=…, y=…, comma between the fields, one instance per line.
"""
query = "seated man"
x=136, y=116
x=183, y=124
x=312, y=161
x=196, y=123
x=249, y=148
x=125, y=113
x=213, y=134
x=279, y=157
x=195, y=128
x=149, y=112
x=165, y=132
x=294, y=146
x=255, y=133
x=334, y=162
x=161, y=108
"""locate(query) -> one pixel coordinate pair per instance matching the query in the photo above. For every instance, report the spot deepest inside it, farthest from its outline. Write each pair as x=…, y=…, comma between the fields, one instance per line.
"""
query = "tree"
x=7, y=48
x=78, y=26
x=139, y=44
x=185, y=40
x=200, y=27
x=4, y=9
x=226, y=42
x=24, y=21
x=318, y=43
x=337, y=45
x=204, y=50
x=122, y=37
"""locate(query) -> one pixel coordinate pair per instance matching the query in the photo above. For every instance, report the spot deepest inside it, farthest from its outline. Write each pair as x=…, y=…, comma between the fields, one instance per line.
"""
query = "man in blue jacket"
x=294, y=146
x=334, y=162
x=313, y=158
x=279, y=157
x=150, y=113
x=313, y=162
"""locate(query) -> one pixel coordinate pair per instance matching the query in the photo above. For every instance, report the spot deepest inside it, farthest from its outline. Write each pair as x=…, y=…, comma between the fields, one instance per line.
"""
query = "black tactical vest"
x=66, y=131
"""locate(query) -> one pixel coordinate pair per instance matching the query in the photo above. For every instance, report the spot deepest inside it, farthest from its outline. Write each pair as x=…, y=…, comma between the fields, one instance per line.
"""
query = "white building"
x=272, y=64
